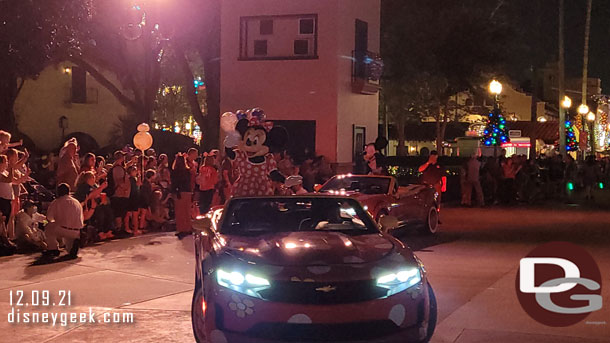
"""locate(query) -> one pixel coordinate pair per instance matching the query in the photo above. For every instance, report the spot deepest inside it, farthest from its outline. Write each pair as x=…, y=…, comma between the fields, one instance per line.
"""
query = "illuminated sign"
x=517, y=145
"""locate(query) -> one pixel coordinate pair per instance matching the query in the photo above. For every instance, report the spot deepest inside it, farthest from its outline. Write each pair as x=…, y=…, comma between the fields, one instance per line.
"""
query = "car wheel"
x=431, y=225
x=197, y=315
x=432, y=316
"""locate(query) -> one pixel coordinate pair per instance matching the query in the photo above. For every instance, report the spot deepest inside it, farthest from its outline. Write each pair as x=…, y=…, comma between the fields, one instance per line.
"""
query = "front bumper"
x=234, y=317
x=405, y=336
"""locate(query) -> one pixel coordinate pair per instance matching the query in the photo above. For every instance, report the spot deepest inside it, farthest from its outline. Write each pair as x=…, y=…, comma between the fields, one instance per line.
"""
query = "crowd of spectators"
x=96, y=198
x=517, y=179
x=125, y=194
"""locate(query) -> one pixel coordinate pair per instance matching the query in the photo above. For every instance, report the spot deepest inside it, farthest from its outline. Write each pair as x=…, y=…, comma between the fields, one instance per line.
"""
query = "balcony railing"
x=367, y=68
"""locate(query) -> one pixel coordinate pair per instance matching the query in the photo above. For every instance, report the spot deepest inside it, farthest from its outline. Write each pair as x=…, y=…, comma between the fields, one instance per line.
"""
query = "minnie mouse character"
x=251, y=147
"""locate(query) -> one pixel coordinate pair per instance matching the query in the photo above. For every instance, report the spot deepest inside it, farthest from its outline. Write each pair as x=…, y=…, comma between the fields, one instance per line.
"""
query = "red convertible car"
x=415, y=206
x=313, y=268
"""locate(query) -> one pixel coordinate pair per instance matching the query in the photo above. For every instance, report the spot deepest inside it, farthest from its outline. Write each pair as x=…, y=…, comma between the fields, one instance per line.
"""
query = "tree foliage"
x=433, y=49
x=132, y=40
x=32, y=34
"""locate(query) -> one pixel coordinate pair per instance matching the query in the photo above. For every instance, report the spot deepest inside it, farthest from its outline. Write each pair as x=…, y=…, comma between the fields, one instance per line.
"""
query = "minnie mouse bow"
x=255, y=121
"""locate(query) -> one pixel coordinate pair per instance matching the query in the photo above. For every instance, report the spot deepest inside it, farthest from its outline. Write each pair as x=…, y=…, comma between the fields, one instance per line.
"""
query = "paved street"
x=472, y=265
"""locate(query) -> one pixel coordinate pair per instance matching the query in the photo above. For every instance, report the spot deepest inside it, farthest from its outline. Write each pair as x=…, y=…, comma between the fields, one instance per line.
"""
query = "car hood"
x=309, y=248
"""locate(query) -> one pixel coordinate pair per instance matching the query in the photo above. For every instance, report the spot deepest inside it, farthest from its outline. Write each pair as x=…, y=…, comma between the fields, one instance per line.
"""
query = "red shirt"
x=207, y=179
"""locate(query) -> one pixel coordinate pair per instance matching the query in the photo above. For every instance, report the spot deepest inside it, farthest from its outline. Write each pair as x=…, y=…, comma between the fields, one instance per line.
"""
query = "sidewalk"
x=150, y=276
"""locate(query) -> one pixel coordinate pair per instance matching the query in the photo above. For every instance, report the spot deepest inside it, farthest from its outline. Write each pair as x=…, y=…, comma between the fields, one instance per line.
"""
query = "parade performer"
x=251, y=146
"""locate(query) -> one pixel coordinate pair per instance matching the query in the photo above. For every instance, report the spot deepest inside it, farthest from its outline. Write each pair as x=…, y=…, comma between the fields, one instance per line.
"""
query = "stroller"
x=38, y=194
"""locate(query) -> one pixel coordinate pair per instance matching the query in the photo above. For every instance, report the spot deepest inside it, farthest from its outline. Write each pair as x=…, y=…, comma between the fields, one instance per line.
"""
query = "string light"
x=495, y=133
x=571, y=143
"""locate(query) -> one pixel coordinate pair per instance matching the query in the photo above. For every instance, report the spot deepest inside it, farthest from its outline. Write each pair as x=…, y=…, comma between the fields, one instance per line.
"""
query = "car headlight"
x=248, y=284
x=400, y=281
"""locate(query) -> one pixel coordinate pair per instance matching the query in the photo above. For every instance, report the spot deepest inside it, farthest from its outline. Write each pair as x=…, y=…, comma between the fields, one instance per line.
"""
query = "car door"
x=409, y=200
x=399, y=203
x=419, y=207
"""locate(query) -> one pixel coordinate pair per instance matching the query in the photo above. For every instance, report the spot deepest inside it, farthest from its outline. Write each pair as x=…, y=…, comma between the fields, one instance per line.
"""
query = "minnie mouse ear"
x=242, y=126
x=277, y=139
x=381, y=143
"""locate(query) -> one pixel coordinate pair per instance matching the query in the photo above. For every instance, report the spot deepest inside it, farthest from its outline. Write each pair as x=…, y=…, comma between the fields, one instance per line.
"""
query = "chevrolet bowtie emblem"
x=326, y=289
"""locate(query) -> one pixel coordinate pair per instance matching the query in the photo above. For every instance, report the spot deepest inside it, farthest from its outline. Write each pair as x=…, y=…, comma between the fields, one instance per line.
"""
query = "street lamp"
x=583, y=109
x=591, y=117
x=495, y=131
x=566, y=102
x=495, y=88
x=564, y=119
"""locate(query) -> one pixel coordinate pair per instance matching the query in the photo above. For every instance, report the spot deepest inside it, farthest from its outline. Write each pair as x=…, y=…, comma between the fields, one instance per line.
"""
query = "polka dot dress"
x=253, y=178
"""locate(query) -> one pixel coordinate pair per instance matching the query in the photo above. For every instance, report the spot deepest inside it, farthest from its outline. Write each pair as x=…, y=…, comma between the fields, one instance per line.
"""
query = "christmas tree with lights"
x=495, y=133
x=571, y=143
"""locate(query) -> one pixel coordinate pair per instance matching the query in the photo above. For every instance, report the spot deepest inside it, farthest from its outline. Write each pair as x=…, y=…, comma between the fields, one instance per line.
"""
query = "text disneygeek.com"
x=27, y=307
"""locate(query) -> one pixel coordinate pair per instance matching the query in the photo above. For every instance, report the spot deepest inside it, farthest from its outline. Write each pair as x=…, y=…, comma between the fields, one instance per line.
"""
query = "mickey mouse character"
x=253, y=157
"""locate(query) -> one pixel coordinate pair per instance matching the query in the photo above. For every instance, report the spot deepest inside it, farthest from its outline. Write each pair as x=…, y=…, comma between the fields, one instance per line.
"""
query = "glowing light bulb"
x=566, y=102
x=495, y=87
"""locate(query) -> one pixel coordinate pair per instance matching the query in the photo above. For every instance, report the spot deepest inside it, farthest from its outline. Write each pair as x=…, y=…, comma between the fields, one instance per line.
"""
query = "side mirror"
x=388, y=223
x=317, y=187
x=203, y=225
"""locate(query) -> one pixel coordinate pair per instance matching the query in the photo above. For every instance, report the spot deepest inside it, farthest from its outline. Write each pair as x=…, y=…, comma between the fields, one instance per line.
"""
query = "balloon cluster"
x=229, y=120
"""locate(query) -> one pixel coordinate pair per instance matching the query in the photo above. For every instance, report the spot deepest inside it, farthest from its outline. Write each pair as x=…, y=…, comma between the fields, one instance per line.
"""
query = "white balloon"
x=228, y=120
x=232, y=140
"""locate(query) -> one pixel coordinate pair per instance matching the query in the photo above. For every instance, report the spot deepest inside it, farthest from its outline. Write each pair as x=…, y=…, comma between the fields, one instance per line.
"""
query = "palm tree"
x=585, y=65
x=585, y=68
x=561, y=66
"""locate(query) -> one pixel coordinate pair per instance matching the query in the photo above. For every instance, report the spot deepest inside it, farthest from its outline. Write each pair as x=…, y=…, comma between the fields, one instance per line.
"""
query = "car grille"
x=322, y=293
x=360, y=331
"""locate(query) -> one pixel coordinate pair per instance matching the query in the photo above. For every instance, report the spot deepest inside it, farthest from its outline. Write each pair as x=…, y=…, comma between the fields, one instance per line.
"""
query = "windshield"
x=252, y=217
x=362, y=184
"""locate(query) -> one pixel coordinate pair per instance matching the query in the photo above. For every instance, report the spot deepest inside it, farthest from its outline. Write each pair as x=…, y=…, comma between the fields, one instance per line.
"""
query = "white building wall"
x=315, y=89
x=285, y=89
x=352, y=108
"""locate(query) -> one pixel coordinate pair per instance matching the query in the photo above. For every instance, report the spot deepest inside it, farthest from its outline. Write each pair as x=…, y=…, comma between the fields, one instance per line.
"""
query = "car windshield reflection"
x=361, y=184
x=252, y=217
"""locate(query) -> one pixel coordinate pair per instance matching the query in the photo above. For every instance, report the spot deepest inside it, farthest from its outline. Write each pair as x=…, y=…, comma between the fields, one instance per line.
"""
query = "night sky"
x=599, y=49
x=535, y=25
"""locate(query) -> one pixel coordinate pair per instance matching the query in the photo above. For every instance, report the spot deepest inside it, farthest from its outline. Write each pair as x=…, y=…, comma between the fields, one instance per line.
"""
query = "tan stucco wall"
x=43, y=101
x=515, y=102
